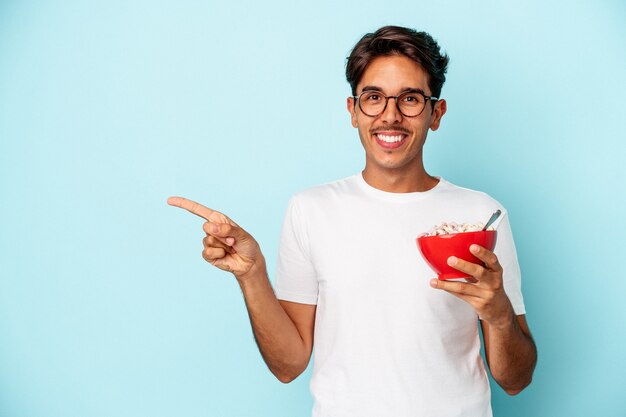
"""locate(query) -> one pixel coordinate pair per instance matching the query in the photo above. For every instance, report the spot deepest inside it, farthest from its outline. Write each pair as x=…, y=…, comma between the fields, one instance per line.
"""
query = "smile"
x=390, y=140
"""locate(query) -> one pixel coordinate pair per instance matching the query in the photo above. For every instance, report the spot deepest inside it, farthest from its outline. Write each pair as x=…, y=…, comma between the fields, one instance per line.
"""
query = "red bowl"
x=437, y=249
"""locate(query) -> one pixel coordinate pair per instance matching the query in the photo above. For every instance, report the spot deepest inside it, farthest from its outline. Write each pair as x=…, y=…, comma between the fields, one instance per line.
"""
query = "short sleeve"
x=507, y=256
x=296, y=278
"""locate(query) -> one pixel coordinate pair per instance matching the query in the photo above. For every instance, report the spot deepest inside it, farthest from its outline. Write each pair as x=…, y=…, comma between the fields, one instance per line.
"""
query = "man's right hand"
x=283, y=330
x=226, y=245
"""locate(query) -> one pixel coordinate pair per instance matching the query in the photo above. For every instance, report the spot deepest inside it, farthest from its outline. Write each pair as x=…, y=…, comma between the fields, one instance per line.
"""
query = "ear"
x=350, y=102
x=438, y=112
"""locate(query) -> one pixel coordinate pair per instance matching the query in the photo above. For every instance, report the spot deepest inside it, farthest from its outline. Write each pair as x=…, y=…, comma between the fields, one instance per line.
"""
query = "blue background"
x=107, y=108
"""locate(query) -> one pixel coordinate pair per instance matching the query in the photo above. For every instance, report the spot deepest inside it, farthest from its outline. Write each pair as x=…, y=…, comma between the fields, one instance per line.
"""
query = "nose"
x=391, y=113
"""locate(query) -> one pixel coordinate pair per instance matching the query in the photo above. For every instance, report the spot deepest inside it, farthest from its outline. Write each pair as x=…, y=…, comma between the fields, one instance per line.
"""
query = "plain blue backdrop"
x=107, y=108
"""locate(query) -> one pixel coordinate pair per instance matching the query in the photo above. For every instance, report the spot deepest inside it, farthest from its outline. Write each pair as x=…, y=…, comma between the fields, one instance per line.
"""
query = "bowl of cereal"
x=452, y=239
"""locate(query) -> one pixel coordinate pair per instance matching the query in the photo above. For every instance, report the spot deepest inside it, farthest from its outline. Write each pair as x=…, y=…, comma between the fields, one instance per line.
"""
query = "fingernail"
x=433, y=283
x=474, y=248
x=452, y=260
x=230, y=241
x=216, y=228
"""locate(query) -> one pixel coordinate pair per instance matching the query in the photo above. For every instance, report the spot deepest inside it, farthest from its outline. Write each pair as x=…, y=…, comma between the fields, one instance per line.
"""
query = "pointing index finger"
x=191, y=206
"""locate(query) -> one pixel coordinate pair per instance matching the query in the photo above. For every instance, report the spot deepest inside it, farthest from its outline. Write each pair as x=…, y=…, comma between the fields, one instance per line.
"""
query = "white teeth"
x=390, y=139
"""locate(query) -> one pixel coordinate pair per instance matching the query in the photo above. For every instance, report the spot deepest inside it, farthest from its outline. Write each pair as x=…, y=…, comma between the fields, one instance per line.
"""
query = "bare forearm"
x=512, y=354
x=276, y=335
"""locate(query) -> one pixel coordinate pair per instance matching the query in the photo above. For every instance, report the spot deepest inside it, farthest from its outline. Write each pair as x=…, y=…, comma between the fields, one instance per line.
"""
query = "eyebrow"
x=404, y=90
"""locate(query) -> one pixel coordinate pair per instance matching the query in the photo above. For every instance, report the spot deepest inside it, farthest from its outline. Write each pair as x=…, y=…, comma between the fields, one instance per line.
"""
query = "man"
x=350, y=279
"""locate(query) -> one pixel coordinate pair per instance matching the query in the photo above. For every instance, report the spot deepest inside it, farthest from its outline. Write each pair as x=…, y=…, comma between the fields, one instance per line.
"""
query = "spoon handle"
x=493, y=218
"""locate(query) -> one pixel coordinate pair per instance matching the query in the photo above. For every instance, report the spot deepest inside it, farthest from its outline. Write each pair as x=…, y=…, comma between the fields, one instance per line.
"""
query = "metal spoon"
x=493, y=218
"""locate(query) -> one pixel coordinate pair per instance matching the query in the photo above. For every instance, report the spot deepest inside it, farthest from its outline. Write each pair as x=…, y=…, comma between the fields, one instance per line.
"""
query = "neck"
x=396, y=181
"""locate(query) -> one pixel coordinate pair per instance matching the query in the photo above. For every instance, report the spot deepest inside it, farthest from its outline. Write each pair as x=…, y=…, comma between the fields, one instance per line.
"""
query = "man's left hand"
x=485, y=293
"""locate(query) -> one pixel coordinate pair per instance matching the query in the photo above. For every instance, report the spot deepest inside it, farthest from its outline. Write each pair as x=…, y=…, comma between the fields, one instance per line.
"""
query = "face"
x=393, y=75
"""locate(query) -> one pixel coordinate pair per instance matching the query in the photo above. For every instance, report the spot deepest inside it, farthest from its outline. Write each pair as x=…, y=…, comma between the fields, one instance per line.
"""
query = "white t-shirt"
x=386, y=343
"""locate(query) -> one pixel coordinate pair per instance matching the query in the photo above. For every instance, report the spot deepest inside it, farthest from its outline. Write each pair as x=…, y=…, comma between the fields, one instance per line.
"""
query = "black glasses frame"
x=426, y=99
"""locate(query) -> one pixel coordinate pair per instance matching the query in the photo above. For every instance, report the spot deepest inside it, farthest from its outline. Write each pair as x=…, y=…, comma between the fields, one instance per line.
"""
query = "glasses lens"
x=411, y=104
x=372, y=103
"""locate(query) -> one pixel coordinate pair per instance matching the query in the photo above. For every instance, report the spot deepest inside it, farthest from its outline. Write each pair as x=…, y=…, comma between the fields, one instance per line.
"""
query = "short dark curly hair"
x=396, y=40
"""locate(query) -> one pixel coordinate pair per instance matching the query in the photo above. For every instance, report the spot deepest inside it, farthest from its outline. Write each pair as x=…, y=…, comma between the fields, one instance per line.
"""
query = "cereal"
x=452, y=227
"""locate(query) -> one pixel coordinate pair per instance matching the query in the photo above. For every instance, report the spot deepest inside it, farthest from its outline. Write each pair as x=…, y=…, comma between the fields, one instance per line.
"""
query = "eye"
x=372, y=97
x=412, y=99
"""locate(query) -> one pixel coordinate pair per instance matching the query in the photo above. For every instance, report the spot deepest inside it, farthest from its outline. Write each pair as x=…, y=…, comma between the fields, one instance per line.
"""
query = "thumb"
x=228, y=232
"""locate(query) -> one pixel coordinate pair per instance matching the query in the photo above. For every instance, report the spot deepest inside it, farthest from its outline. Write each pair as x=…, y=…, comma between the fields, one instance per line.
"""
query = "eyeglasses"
x=410, y=104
